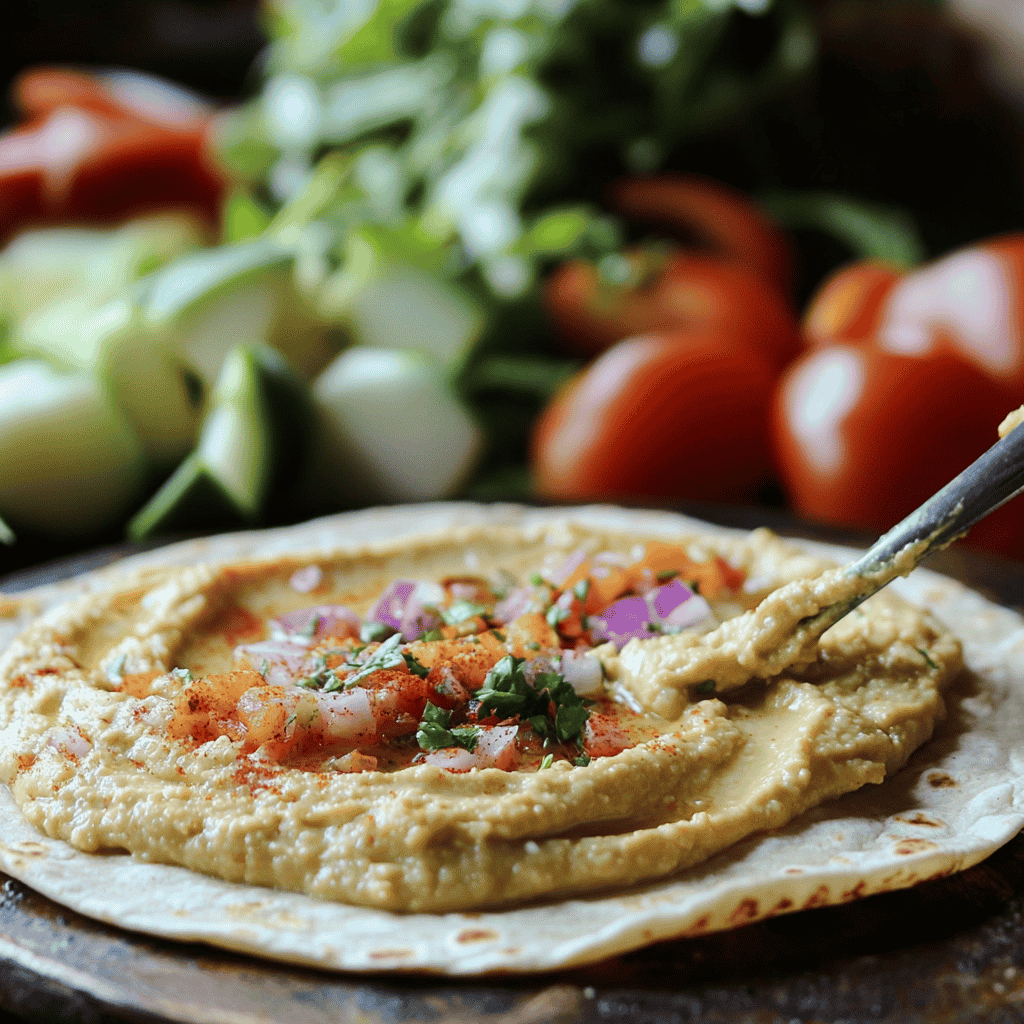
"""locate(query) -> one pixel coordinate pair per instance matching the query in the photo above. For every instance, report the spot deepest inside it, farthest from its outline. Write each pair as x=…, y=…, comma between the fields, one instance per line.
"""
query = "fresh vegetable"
x=658, y=291
x=252, y=443
x=713, y=216
x=390, y=427
x=683, y=415
x=97, y=148
x=70, y=463
x=847, y=307
x=863, y=436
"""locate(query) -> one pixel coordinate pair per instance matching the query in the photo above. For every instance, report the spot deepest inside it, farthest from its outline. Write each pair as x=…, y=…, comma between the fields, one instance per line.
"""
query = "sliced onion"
x=315, y=623
x=518, y=602
x=407, y=607
x=665, y=599
x=690, y=613
x=281, y=662
x=582, y=671
x=624, y=620
x=495, y=748
x=557, y=568
x=306, y=579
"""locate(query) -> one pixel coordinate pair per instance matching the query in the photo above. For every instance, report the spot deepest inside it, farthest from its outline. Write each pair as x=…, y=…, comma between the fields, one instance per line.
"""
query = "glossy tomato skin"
x=86, y=153
x=720, y=219
x=970, y=303
x=863, y=436
x=848, y=305
x=681, y=416
x=684, y=291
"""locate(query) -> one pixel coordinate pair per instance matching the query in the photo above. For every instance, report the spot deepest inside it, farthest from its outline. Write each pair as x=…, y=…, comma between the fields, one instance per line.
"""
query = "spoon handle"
x=981, y=488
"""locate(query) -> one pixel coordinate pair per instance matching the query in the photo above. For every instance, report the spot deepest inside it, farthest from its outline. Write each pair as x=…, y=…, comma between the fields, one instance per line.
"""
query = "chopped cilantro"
x=434, y=732
x=386, y=656
x=667, y=574
x=537, y=580
x=264, y=667
x=431, y=635
x=461, y=611
x=708, y=686
x=499, y=636
x=371, y=632
x=582, y=761
x=506, y=692
x=555, y=615
x=924, y=654
x=546, y=762
x=309, y=630
x=183, y=675
x=532, y=645
x=415, y=667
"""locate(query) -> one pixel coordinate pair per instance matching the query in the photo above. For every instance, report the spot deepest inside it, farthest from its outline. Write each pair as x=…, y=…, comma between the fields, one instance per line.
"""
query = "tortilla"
x=950, y=807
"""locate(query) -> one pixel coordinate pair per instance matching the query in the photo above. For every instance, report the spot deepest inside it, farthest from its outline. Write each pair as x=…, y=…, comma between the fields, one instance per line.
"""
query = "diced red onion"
x=623, y=620
x=667, y=598
x=495, y=748
x=603, y=736
x=69, y=741
x=315, y=623
x=689, y=613
x=407, y=607
x=285, y=660
x=464, y=591
x=307, y=579
x=582, y=671
x=518, y=602
x=346, y=715
x=557, y=569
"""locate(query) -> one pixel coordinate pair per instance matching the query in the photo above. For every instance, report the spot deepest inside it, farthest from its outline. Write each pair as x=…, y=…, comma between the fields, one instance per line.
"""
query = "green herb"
x=581, y=589
x=506, y=692
x=415, y=667
x=667, y=574
x=555, y=615
x=924, y=654
x=532, y=645
x=183, y=675
x=432, y=635
x=708, y=686
x=372, y=632
x=434, y=732
x=499, y=636
x=386, y=656
x=264, y=667
x=546, y=762
x=537, y=580
x=582, y=761
x=461, y=611
x=309, y=630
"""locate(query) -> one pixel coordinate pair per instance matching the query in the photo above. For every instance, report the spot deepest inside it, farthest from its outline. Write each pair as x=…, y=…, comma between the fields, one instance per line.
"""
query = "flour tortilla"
x=960, y=798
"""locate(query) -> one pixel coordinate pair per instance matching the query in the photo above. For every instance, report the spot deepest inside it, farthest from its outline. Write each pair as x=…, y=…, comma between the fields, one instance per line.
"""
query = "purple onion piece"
x=306, y=579
x=623, y=620
x=665, y=599
x=689, y=613
x=319, y=621
x=390, y=606
x=518, y=602
x=557, y=570
x=284, y=659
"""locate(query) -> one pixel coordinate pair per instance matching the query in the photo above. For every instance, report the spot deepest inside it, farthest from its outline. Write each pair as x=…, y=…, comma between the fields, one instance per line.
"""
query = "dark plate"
x=950, y=950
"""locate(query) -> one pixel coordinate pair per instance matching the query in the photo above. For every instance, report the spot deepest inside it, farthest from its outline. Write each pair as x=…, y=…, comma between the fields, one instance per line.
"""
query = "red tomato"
x=679, y=291
x=718, y=217
x=98, y=151
x=971, y=303
x=677, y=416
x=848, y=305
x=863, y=436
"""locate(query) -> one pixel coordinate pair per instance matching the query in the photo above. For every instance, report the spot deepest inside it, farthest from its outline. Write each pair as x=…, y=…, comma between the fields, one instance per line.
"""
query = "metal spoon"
x=946, y=516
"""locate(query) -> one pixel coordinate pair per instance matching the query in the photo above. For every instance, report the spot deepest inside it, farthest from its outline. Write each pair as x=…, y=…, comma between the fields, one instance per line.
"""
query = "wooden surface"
x=950, y=950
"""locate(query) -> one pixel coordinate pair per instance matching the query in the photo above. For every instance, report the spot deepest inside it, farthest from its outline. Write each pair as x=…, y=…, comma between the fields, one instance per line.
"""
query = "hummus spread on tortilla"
x=466, y=720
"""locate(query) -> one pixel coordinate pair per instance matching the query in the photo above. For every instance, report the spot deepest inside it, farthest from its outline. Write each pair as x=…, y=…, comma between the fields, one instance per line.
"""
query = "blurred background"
x=267, y=261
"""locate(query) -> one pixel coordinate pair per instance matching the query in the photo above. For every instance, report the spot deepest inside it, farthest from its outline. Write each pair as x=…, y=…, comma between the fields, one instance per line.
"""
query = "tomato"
x=719, y=218
x=678, y=290
x=847, y=307
x=97, y=151
x=682, y=415
x=971, y=303
x=863, y=436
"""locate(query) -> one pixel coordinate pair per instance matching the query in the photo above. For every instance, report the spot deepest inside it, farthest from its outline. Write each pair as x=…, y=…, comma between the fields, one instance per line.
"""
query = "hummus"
x=160, y=719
